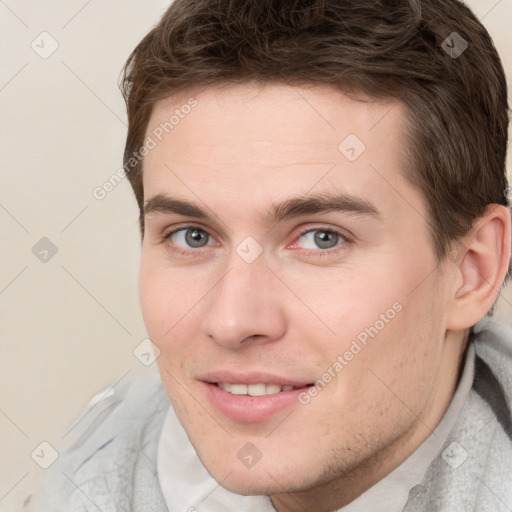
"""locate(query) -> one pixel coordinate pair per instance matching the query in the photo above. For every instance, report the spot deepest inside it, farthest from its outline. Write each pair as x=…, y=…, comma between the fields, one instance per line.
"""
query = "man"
x=325, y=220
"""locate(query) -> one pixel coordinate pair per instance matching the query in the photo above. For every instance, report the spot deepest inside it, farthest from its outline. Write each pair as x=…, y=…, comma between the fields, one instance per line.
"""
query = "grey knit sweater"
x=110, y=463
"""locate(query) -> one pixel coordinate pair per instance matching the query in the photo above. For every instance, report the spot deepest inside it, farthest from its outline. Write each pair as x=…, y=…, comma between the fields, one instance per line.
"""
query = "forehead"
x=263, y=142
x=276, y=113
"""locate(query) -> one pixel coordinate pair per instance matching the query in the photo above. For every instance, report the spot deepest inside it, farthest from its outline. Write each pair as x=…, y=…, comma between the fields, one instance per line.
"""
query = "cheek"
x=162, y=296
x=171, y=306
x=401, y=361
x=152, y=296
x=384, y=330
x=355, y=302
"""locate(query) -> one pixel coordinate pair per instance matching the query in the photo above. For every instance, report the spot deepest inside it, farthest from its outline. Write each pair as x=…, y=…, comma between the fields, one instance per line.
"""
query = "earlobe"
x=482, y=266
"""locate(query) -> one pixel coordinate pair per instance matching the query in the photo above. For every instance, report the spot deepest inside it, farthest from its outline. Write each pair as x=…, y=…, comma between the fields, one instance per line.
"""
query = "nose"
x=245, y=305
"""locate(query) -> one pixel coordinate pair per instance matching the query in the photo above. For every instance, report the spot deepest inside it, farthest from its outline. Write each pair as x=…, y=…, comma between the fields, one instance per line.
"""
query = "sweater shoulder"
x=473, y=470
x=493, y=370
x=122, y=409
x=110, y=445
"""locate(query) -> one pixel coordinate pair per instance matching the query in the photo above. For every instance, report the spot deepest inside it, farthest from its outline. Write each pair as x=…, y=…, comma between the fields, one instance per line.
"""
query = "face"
x=289, y=281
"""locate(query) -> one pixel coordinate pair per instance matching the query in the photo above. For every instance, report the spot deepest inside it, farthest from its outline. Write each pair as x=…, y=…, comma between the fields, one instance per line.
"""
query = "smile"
x=254, y=389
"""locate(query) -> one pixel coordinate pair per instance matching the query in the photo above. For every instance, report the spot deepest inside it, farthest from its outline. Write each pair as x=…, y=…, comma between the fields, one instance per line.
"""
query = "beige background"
x=70, y=325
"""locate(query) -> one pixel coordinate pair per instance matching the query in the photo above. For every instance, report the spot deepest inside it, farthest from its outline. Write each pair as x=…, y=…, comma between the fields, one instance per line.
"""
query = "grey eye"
x=196, y=237
x=326, y=239
x=189, y=237
x=321, y=238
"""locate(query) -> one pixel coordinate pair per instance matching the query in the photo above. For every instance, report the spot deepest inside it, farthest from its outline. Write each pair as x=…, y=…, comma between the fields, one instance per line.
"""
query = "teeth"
x=253, y=389
x=258, y=389
x=238, y=389
x=270, y=389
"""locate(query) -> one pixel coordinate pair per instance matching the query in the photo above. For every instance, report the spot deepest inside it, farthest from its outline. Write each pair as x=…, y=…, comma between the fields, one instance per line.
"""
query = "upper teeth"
x=254, y=389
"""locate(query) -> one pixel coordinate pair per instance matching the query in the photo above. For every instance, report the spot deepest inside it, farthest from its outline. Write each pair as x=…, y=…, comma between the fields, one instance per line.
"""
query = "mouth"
x=254, y=389
x=250, y=397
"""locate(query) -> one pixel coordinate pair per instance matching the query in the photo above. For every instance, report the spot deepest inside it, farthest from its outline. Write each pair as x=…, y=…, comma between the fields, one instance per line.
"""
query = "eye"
x=188, y=237
x=318, y=241
x=323, y=238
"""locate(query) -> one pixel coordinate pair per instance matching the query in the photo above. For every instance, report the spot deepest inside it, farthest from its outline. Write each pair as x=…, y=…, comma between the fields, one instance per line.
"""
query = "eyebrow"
x=288, y=209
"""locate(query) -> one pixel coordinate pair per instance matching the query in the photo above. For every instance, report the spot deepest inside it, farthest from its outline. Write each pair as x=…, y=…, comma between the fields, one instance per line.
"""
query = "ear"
x=482, y=261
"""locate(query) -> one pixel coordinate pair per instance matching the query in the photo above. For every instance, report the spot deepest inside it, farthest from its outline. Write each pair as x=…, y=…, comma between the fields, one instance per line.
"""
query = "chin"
x=252, y=484
x=248, y=486
x=263, y=479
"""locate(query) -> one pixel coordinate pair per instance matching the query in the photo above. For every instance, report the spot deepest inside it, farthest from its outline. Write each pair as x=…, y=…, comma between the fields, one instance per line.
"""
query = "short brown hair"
x=398, y=49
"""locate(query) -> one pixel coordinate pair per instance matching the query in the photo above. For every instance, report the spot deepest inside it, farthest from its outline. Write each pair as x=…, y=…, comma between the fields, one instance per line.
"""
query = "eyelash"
x=312, y=252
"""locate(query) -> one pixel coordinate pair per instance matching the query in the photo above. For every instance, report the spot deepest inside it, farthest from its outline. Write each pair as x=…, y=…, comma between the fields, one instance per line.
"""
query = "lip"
x=246, y=408
x=251, y=378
